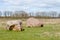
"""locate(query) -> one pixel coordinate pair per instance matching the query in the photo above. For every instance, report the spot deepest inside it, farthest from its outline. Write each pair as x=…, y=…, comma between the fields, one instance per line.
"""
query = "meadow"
x=50, y=31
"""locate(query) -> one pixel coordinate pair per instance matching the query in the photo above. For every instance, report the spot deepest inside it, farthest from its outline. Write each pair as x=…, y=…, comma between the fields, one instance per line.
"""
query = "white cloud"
x=18, y=2
x=40, y=3
x=32, y=4
x=12, y=2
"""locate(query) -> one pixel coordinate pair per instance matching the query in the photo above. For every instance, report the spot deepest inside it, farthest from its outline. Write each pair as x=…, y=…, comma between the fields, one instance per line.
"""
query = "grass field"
x=48, y=32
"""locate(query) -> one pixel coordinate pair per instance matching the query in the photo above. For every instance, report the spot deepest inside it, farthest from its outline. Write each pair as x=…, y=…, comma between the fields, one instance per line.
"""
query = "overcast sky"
x=30, y=5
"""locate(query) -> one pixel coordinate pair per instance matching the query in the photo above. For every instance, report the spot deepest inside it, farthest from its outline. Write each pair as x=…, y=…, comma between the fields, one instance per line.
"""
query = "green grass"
x=48, y=32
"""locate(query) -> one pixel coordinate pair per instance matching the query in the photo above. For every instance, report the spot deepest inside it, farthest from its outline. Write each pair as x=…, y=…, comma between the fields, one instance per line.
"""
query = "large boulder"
x=33, y=22
x=14, y=25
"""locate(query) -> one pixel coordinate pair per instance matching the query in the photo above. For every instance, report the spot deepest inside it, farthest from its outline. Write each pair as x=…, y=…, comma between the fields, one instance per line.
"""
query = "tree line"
x=28, y=14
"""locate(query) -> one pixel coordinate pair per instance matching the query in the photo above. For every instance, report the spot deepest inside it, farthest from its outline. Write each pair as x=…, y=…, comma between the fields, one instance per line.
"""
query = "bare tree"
x=20, y=14
x=0, y=13
x=59, y=15
x=7, y=13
